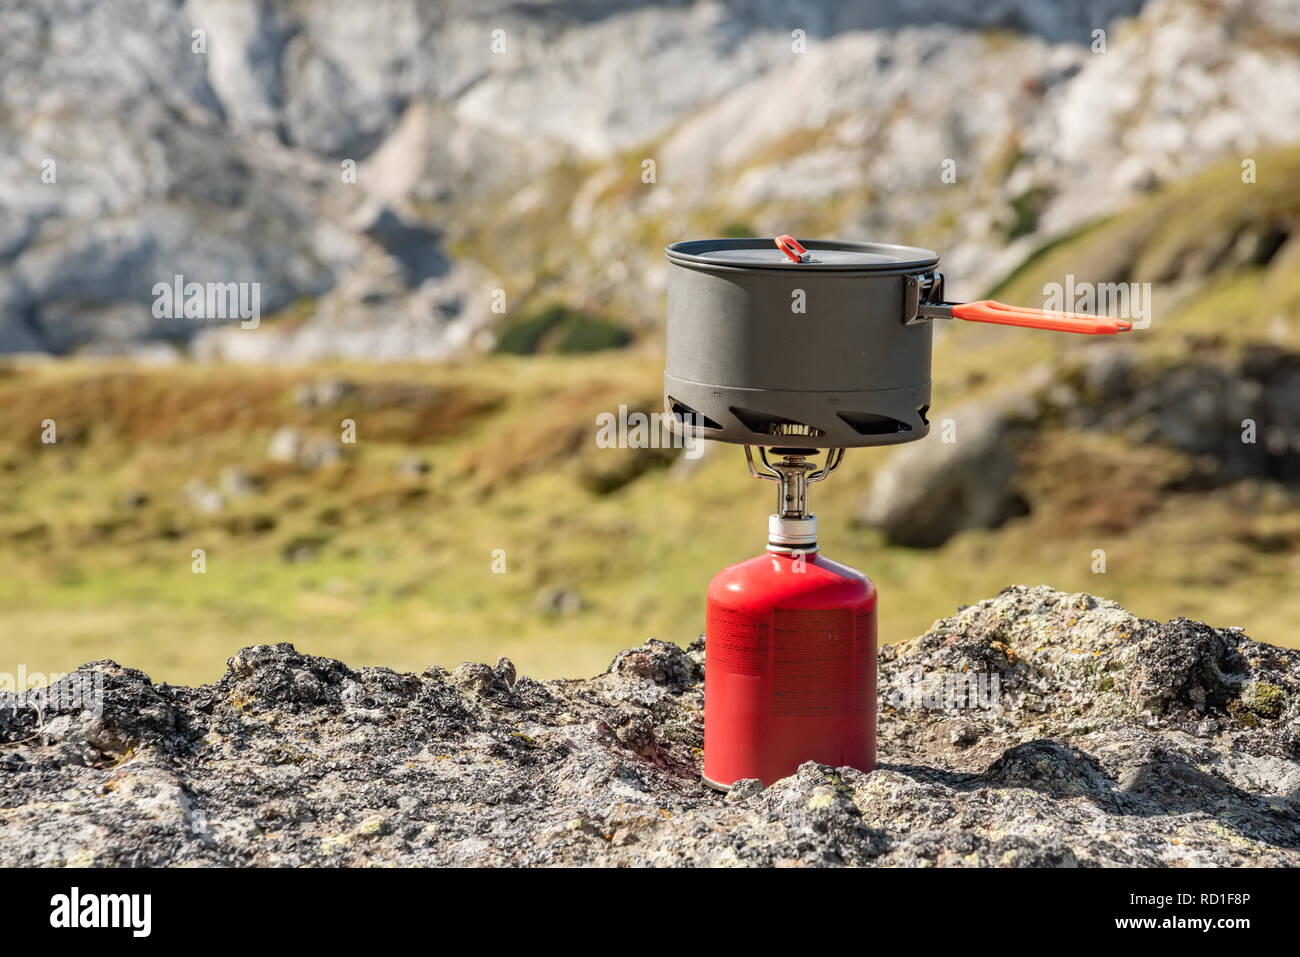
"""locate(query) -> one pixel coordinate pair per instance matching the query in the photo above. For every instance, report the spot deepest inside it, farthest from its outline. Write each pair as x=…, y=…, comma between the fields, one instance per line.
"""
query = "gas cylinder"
x=790, y=653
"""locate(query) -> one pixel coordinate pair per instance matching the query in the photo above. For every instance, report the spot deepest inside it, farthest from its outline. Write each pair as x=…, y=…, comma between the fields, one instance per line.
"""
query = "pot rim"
x=893, y=259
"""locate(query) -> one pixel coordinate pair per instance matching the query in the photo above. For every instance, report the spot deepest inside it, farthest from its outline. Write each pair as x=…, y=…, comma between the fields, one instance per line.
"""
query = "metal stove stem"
x=793, y=474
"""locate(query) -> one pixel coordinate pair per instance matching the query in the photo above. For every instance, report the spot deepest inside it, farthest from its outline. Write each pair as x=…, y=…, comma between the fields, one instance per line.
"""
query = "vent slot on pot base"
x=687, y=416
x=765, y=423
x=869, y=423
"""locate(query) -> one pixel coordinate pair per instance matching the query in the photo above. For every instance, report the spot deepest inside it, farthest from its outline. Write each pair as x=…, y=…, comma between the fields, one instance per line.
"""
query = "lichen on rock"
x=1032, y=729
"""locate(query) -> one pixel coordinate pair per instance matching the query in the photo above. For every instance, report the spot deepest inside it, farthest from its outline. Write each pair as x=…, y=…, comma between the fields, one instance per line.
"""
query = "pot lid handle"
x=792, y=248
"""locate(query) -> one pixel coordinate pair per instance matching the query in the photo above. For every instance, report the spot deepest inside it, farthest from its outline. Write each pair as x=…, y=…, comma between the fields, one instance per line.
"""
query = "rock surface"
x=1097, y=738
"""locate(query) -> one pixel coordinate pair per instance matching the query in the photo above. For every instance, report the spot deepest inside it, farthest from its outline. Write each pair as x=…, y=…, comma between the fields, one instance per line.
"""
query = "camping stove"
x=790, y=645
x=799, y=351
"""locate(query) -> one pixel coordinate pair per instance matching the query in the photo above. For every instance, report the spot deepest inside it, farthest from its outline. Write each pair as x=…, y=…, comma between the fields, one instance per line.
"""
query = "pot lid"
x=825, y=255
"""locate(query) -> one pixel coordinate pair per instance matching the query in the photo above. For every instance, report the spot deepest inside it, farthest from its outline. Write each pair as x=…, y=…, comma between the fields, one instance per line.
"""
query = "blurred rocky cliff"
x=381, y=169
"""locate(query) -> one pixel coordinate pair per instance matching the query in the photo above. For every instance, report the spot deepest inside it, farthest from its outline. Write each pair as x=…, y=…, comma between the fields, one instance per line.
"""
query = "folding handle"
x=792, y=248
x=1003, y=315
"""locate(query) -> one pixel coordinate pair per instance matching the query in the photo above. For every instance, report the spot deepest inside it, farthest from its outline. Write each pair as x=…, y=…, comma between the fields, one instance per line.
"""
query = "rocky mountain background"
x=500, y=146
x=1108, y=741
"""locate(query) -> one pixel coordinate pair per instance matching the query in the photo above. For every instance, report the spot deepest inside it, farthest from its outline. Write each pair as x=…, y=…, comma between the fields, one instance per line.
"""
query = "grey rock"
x=1242, y=414
x=930, y=490
x=323, y=393
x=744, y=789
x=294, y=760
x=414, y=466
x=1236, y=418
x=17, y=334
x=237, y=483
x=203, y=497
x=286, y=444
x=558, y=601
x=416, y=248
x=320, y=453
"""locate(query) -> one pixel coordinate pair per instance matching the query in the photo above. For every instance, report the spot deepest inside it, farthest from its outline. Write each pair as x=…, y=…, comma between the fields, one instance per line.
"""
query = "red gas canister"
x=789, y=646
x=790, y=667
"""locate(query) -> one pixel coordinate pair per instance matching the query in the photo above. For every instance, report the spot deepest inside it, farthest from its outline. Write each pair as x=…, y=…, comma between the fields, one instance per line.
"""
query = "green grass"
x=1026, y=209
x=403, y=575
x=96, y=532
x=558, y=328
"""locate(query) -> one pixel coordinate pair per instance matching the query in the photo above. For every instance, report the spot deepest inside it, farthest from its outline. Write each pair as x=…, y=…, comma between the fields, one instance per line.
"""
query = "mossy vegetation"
x=374, y=563
x=1025, y=210
x=558, y=328
x=738, y=230
x=1263, y=699
x=367, y=558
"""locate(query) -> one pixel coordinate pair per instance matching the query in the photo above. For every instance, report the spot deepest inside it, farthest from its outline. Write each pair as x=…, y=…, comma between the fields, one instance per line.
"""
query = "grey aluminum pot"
x=851, y=369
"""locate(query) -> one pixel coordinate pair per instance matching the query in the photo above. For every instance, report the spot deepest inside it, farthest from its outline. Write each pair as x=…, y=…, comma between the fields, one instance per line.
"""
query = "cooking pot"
x=819, y=344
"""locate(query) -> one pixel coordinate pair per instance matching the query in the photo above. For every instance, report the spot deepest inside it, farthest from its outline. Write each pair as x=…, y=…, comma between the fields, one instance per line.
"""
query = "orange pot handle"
x=1003, y=315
